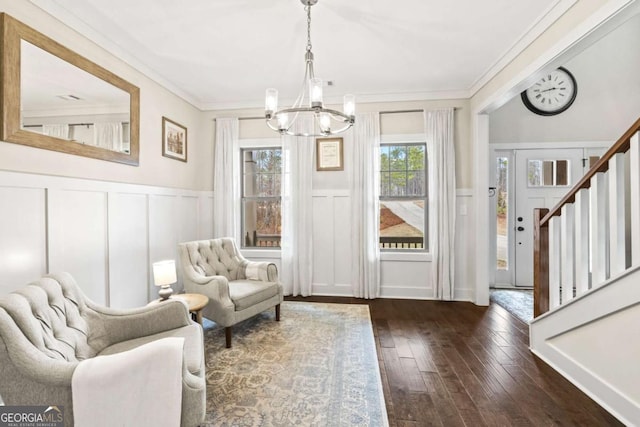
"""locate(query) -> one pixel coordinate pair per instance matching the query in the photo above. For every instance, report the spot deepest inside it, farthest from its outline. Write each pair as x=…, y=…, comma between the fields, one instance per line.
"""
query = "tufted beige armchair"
x=48, y=327
x=237, y=288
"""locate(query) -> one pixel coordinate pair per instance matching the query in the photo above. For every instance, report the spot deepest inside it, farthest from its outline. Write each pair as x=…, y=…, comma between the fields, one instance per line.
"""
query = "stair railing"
x=593, y=233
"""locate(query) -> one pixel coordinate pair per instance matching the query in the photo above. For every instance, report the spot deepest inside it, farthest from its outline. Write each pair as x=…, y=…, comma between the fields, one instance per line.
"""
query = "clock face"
x=552, y=94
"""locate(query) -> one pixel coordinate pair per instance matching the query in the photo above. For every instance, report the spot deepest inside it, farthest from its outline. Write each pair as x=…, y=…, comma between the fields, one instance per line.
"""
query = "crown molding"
x=67, y=17
x=544, y=21
x=360, y=99
x=596, y=25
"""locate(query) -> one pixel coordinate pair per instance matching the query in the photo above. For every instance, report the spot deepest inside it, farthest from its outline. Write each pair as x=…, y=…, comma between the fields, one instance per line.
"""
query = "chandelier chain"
x=308, y=28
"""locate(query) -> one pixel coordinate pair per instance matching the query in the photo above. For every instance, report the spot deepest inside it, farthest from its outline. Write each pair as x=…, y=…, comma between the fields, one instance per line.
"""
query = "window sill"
x=261, y=253
x=406, y=256
x=384, y=256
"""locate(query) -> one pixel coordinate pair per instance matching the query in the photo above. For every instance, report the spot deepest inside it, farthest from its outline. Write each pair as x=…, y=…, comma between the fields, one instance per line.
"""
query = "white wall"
x=155, y=102
x=102, y=221
x=606, y=105
x=584, y=19
x=105, y=234
x=402, y=275
x=593, y=341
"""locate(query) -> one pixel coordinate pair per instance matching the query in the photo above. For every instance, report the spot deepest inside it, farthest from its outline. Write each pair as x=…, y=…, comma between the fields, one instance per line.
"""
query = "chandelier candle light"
x=324, y=119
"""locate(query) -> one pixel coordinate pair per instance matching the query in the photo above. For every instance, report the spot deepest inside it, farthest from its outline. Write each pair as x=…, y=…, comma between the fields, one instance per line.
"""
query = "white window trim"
x=259, y=143
x=400, y=254
x=400, y=138
x=406, y=256
x=261, y=253
x=247, y=144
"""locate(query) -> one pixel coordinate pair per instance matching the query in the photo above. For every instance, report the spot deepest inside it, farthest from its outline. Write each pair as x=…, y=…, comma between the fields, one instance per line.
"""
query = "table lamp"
x=164, y=275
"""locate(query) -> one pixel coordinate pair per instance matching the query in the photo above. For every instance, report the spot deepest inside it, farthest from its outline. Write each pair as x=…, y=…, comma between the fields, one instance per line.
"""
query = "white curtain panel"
x=226, y=179
x=108, y=135
x=365, y=207
x=58, y=131
x=442, y=200
x=296, y=272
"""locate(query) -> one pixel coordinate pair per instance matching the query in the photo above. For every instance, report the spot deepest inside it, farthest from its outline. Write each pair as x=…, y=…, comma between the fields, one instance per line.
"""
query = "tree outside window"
x=261, y=201
x=403, y=196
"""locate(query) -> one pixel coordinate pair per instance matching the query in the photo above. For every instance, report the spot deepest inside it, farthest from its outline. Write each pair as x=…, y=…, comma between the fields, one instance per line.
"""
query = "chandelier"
x=309, y=102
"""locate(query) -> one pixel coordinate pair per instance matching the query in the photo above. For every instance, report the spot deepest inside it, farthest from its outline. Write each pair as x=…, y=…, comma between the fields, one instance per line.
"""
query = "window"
x=548, y=173
x=403, y=196
x=502, y=213
x=261, y=177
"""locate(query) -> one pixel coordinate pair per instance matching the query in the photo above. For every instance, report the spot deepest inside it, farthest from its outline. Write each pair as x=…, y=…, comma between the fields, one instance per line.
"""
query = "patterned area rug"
x=515, y=301
x=316, y=367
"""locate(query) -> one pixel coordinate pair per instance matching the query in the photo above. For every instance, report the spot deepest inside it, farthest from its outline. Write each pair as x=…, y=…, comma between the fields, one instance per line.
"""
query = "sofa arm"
x=29, y=360
x=151, y=373
x=264, y=271
x=109, y=326
x=214, y=287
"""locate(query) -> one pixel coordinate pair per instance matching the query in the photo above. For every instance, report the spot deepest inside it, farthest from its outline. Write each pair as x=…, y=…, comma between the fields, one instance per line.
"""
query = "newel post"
x=540, y=263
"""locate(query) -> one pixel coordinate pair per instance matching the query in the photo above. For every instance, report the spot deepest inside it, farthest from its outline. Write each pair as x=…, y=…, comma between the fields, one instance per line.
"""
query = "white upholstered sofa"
x=237, y=288
x=49, y=327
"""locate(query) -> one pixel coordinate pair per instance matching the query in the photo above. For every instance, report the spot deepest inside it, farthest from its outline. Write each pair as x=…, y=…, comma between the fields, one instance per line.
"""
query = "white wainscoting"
x=105, y=234
x=406, y=275
x=465, y=246
x=331, y=243
x=592, y=341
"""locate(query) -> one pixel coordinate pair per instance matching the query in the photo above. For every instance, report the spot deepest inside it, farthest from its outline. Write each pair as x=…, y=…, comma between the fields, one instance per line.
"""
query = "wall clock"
x=552, y=94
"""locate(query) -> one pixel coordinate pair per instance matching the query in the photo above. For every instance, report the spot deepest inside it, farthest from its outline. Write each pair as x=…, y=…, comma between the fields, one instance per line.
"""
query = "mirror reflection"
x=55, y=99
x=63, y=101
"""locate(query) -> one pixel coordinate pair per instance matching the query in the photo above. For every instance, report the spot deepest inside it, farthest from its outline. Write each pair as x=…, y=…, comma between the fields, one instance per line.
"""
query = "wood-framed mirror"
x=54, y=98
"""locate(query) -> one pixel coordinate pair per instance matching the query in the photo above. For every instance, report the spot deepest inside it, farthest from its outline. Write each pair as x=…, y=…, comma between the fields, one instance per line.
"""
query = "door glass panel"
x=548, y=173
x=534, y=171
x=547, y=167
x=562, y=172
x=502, y=211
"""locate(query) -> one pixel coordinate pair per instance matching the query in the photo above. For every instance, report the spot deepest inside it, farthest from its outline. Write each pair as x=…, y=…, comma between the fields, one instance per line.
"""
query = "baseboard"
x=387, y=292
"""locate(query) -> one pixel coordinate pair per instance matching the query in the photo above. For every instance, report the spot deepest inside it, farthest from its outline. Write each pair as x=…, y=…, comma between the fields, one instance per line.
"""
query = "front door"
x=542, y=178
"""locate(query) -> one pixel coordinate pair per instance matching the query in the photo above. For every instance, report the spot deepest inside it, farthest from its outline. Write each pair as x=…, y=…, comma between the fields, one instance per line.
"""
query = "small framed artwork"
x=174, y=140
x=329, y=154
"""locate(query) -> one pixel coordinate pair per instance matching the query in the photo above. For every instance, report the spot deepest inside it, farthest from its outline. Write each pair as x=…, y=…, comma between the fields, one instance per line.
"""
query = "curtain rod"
x=381, y=112
x=69, y=124
x=420, y=110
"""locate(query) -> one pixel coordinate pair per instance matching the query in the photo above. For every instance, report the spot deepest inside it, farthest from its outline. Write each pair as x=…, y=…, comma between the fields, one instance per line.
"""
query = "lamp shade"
x=164, y=272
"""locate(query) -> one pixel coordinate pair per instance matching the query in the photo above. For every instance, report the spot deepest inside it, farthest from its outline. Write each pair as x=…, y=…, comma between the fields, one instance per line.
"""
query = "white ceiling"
x=42, y=92
x=224, y=53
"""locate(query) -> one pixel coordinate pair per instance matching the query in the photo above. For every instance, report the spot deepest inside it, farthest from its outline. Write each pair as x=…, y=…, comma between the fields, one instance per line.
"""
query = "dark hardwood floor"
x=457, y=364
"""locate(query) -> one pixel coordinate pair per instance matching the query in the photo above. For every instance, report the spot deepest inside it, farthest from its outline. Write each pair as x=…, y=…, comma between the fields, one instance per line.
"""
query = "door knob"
x=520, y=219
x=520, y=228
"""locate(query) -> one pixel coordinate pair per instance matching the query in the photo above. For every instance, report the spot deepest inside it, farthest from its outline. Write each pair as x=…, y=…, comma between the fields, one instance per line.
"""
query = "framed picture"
x=329, y=154
x=174, y=140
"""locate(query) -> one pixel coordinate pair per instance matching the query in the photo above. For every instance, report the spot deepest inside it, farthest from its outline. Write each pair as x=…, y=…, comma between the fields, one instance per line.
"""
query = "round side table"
x=195, y=302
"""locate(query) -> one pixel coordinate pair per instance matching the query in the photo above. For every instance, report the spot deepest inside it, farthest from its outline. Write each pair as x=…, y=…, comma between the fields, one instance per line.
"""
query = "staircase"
x=587, y=281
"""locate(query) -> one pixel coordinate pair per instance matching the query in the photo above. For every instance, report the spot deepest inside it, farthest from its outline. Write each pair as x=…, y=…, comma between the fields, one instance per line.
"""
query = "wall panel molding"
x=404, y=276
x=105, y=234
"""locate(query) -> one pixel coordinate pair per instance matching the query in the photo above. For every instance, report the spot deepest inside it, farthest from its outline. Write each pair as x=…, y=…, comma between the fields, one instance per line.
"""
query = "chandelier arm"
x=321, y=126
x=335, y=113
x=308, y=73
x=277, y=129
x=340, y=130
x=313, y=109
